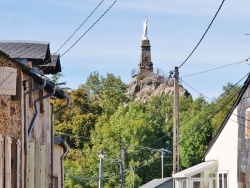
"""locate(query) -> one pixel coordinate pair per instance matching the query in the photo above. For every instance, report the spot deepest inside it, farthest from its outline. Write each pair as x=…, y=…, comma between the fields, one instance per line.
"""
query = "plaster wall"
x=225, y=150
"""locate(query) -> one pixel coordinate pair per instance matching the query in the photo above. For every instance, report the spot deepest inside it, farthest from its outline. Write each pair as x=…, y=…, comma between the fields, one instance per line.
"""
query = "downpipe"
x=52, y=142
x=26, y=140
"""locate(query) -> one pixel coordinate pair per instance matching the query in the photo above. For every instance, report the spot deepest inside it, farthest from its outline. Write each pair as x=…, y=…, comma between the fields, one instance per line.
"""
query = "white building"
x=227, y=159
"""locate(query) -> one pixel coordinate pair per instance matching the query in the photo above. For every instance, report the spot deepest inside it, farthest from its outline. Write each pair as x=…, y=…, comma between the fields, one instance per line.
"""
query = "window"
x=55, y=181
x=223, y=180
x=41, y=102
x=31, y=100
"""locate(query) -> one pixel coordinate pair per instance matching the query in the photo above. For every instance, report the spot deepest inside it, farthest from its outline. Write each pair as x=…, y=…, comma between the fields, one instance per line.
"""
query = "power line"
x=89, y=28
x=203, y=35
x=78, y=29
x=80, y=26
x=239, y=62
x=194, y=129
x=195, y=90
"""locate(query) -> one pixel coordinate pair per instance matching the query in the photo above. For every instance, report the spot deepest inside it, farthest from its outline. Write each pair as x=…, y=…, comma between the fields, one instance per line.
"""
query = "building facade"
x=26, y=116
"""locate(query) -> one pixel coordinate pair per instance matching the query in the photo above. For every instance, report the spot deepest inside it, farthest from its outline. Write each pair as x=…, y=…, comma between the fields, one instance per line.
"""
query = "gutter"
x=66, y=147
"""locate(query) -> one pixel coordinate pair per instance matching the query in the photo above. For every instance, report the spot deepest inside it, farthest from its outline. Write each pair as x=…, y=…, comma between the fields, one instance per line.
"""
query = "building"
x=26, y=114
x=159, y=183
x=227, y=158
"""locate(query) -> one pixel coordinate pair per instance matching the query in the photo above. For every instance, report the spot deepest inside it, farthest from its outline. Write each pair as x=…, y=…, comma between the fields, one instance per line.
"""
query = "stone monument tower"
x=145, y=65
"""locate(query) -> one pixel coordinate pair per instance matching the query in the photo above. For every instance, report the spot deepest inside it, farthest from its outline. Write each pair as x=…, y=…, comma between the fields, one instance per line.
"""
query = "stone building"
x=26, y=115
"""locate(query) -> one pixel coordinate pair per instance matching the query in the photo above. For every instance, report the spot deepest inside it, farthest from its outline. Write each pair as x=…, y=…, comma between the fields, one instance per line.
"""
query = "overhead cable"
x=89, y=28
x=203, y=35
x=239, y=62
x=80, y=26
x=196, y=90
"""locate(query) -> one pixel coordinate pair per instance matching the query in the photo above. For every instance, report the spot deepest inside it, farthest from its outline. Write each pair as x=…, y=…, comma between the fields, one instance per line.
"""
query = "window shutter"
x=1, y=160
x=42, y=167
x=31, y=164
x=8, y=80
x=18, y=143
x=8, y=162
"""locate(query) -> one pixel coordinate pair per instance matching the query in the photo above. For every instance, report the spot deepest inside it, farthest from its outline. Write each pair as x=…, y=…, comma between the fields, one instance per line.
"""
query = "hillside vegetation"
x=102, y=117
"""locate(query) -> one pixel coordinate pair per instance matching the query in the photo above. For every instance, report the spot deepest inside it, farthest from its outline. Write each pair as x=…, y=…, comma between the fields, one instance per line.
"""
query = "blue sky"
x=113, y=44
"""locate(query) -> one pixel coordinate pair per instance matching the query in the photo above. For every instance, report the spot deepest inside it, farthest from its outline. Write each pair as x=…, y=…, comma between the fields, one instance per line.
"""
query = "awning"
x=195, y=169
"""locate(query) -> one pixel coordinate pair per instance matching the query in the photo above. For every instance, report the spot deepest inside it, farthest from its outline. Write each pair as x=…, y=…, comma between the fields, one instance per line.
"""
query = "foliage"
x=101, y=117
x=195, y=133
x=227, y=98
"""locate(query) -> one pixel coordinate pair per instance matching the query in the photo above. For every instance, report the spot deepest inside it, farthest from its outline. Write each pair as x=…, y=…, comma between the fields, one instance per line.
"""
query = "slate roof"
x=37, y=77
x=53, y=67
x=156, y=182
x=37, y=51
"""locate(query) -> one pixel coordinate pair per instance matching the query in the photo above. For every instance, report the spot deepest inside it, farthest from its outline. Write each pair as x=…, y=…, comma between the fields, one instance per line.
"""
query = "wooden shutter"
x=31, y=165
x=18, y=143
x=1, y=161
x=42, y=166
x=8, y=162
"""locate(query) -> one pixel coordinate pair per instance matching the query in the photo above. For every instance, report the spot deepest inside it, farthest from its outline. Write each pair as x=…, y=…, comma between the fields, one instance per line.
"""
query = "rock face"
x=143, y=87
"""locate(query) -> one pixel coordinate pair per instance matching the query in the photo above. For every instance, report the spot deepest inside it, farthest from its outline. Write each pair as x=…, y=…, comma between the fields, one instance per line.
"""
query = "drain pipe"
x=65, y=106
x=52, y=143
x=62, y=159
x=26, y=140
x=64, y=143
x=36, y=111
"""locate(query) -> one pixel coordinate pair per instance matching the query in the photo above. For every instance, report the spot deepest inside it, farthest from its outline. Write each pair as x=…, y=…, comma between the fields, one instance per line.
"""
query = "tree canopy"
x=102, y=117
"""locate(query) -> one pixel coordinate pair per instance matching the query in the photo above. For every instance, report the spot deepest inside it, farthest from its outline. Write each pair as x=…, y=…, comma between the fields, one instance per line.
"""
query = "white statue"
x=145, y=30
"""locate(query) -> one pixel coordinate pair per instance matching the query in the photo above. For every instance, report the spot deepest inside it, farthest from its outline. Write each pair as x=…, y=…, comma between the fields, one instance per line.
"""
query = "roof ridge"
x=24, y=41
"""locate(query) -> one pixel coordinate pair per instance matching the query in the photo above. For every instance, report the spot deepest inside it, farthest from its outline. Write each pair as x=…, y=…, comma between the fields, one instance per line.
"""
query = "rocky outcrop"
x=143, y=87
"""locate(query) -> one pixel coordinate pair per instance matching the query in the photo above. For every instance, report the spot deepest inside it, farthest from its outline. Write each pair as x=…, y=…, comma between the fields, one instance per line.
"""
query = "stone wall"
x=10, y=108
x=243, y=142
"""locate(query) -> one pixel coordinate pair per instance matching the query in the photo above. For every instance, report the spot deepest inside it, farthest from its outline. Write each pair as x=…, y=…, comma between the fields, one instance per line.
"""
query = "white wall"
x=225, y=149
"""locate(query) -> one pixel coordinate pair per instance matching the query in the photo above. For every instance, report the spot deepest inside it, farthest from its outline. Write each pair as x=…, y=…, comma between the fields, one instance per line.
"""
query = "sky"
x=112, y=45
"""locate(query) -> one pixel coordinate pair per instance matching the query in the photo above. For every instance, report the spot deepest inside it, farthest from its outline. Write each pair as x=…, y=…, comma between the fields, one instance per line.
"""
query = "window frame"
x=224, y=182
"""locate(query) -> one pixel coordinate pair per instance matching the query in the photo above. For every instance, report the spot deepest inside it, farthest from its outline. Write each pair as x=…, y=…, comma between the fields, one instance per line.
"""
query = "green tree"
x=195, y=133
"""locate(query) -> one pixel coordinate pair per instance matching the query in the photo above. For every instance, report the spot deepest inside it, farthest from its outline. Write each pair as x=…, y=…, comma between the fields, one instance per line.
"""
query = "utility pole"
x=162, y=163
x=122, y=167
x=101, y=156
x=176, y=165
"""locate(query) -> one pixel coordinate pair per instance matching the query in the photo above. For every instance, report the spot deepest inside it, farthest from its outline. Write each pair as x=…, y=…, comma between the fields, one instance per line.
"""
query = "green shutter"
x=8, y=162
x=31, y=164
x=1, y=163
x=42, y=166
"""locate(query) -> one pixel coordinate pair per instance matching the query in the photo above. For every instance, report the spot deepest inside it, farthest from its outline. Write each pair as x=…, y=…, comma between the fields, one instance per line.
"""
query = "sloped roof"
x=195, y=169
x=53, y=67
x=38, y=51
x=38, y=78
x=237, y=101
x=156, y=182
